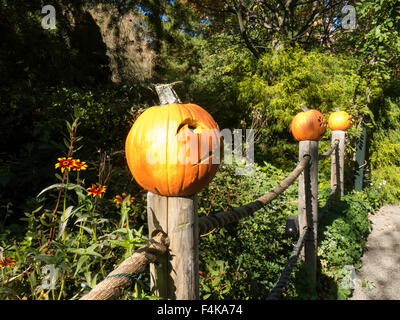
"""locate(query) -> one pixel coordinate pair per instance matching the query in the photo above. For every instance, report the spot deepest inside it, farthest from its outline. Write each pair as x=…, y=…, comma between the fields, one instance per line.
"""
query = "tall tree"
x=278, y=22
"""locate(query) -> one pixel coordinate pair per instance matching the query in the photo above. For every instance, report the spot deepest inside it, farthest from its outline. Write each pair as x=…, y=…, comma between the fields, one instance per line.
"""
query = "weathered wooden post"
x=162, y=151
x=308, y=205
x=338, y=121
x=177, y=275
x=308, y=127
x=337, y=163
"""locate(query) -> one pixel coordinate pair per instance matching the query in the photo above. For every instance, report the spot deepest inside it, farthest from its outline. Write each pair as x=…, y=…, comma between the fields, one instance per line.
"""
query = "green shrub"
x=342, y=235
x=282, y=80
x=245, y=259
x=106, y=115
x=71, y=238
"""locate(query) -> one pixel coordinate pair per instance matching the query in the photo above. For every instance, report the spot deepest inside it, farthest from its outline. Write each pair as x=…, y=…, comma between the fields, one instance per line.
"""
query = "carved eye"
x=321, y=121
x=191, y=124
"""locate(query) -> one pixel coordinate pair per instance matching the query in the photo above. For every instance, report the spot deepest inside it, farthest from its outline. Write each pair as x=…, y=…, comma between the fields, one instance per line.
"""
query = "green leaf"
x=80, y=263
x=87, y=251
x=68, y=213
x=70, y=186
x=53, y=186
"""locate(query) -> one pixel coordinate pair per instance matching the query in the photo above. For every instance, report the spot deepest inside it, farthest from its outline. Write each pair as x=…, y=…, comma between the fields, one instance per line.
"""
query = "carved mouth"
x=206, y=159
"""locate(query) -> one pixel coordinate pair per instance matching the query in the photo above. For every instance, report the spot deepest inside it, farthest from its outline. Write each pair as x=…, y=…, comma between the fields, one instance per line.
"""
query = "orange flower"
x=6, y=262
x=65, y=163
x=96, y=190
x=79, y=165
x=119, y=198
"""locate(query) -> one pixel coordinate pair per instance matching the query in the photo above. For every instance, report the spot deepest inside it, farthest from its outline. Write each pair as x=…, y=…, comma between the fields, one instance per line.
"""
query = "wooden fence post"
x=177, y=275
x=308, y=206
x=337, y=163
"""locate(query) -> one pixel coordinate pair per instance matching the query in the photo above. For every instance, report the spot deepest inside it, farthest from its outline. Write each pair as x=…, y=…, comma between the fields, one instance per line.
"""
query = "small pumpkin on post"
x=339, y=122
x=173, y=151
x=308, y=127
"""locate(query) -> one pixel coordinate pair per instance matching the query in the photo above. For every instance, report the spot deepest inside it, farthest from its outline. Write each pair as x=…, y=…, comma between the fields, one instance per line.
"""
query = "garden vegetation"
x=70, y=210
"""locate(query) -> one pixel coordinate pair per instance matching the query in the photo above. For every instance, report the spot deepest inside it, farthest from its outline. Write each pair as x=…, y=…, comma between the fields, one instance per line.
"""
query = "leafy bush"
x=105, y=114
x=244, y=260
x=342, y=236
x=282, y=80
x=384, y=147
x=68, y=240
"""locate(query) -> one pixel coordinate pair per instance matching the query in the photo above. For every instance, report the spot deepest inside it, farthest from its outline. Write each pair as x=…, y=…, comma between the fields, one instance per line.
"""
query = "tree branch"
x=243, y=32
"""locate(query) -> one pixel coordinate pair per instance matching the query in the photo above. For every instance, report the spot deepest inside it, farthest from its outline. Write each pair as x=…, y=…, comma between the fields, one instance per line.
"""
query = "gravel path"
x=379, y=277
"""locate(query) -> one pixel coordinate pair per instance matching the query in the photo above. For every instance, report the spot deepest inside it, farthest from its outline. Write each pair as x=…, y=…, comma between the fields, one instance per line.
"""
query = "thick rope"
x=276, y=291
x=329, y=152
x=129, y=269
x=207, y=223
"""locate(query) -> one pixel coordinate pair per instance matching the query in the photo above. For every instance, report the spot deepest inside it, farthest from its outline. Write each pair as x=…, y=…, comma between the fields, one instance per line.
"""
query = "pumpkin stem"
x=167, y=94
x=304, y=108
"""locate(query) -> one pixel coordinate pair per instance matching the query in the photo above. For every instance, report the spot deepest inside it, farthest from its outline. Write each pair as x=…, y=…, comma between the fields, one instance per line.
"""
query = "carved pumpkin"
x=339, y=120
x=174, y=149
x=308, y=125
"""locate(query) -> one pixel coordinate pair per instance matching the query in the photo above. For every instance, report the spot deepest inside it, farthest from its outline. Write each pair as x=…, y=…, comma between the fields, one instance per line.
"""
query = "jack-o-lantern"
x=308, y=125
x=339, y=120
x=174, y=149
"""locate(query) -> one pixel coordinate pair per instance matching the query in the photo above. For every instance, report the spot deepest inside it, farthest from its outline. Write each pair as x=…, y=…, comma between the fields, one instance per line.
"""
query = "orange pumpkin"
x=339, y=120
x=308, y=125
x=174, y=149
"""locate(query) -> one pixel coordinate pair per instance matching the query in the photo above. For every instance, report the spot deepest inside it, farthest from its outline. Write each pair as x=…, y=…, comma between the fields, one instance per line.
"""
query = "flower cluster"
x=6, y=262
x=119, y=198
x=69, y=163
x=96, y=190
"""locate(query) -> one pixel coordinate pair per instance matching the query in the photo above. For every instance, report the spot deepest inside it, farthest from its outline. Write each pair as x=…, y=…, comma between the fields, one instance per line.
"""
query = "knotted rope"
x=110, y=287
x=327, y=153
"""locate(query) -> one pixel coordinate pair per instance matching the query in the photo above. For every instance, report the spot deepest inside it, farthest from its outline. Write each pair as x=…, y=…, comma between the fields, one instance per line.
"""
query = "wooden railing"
x=175, y=229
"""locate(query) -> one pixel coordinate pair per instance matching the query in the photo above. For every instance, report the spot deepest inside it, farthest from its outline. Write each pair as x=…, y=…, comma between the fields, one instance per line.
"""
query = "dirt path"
x=379, y=277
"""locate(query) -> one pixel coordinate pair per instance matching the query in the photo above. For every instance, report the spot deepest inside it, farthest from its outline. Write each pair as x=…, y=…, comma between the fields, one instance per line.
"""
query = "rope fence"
x=281, y=283
x=134, y=266
x=216, y=220
x=175, y=229
x=327, y=153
